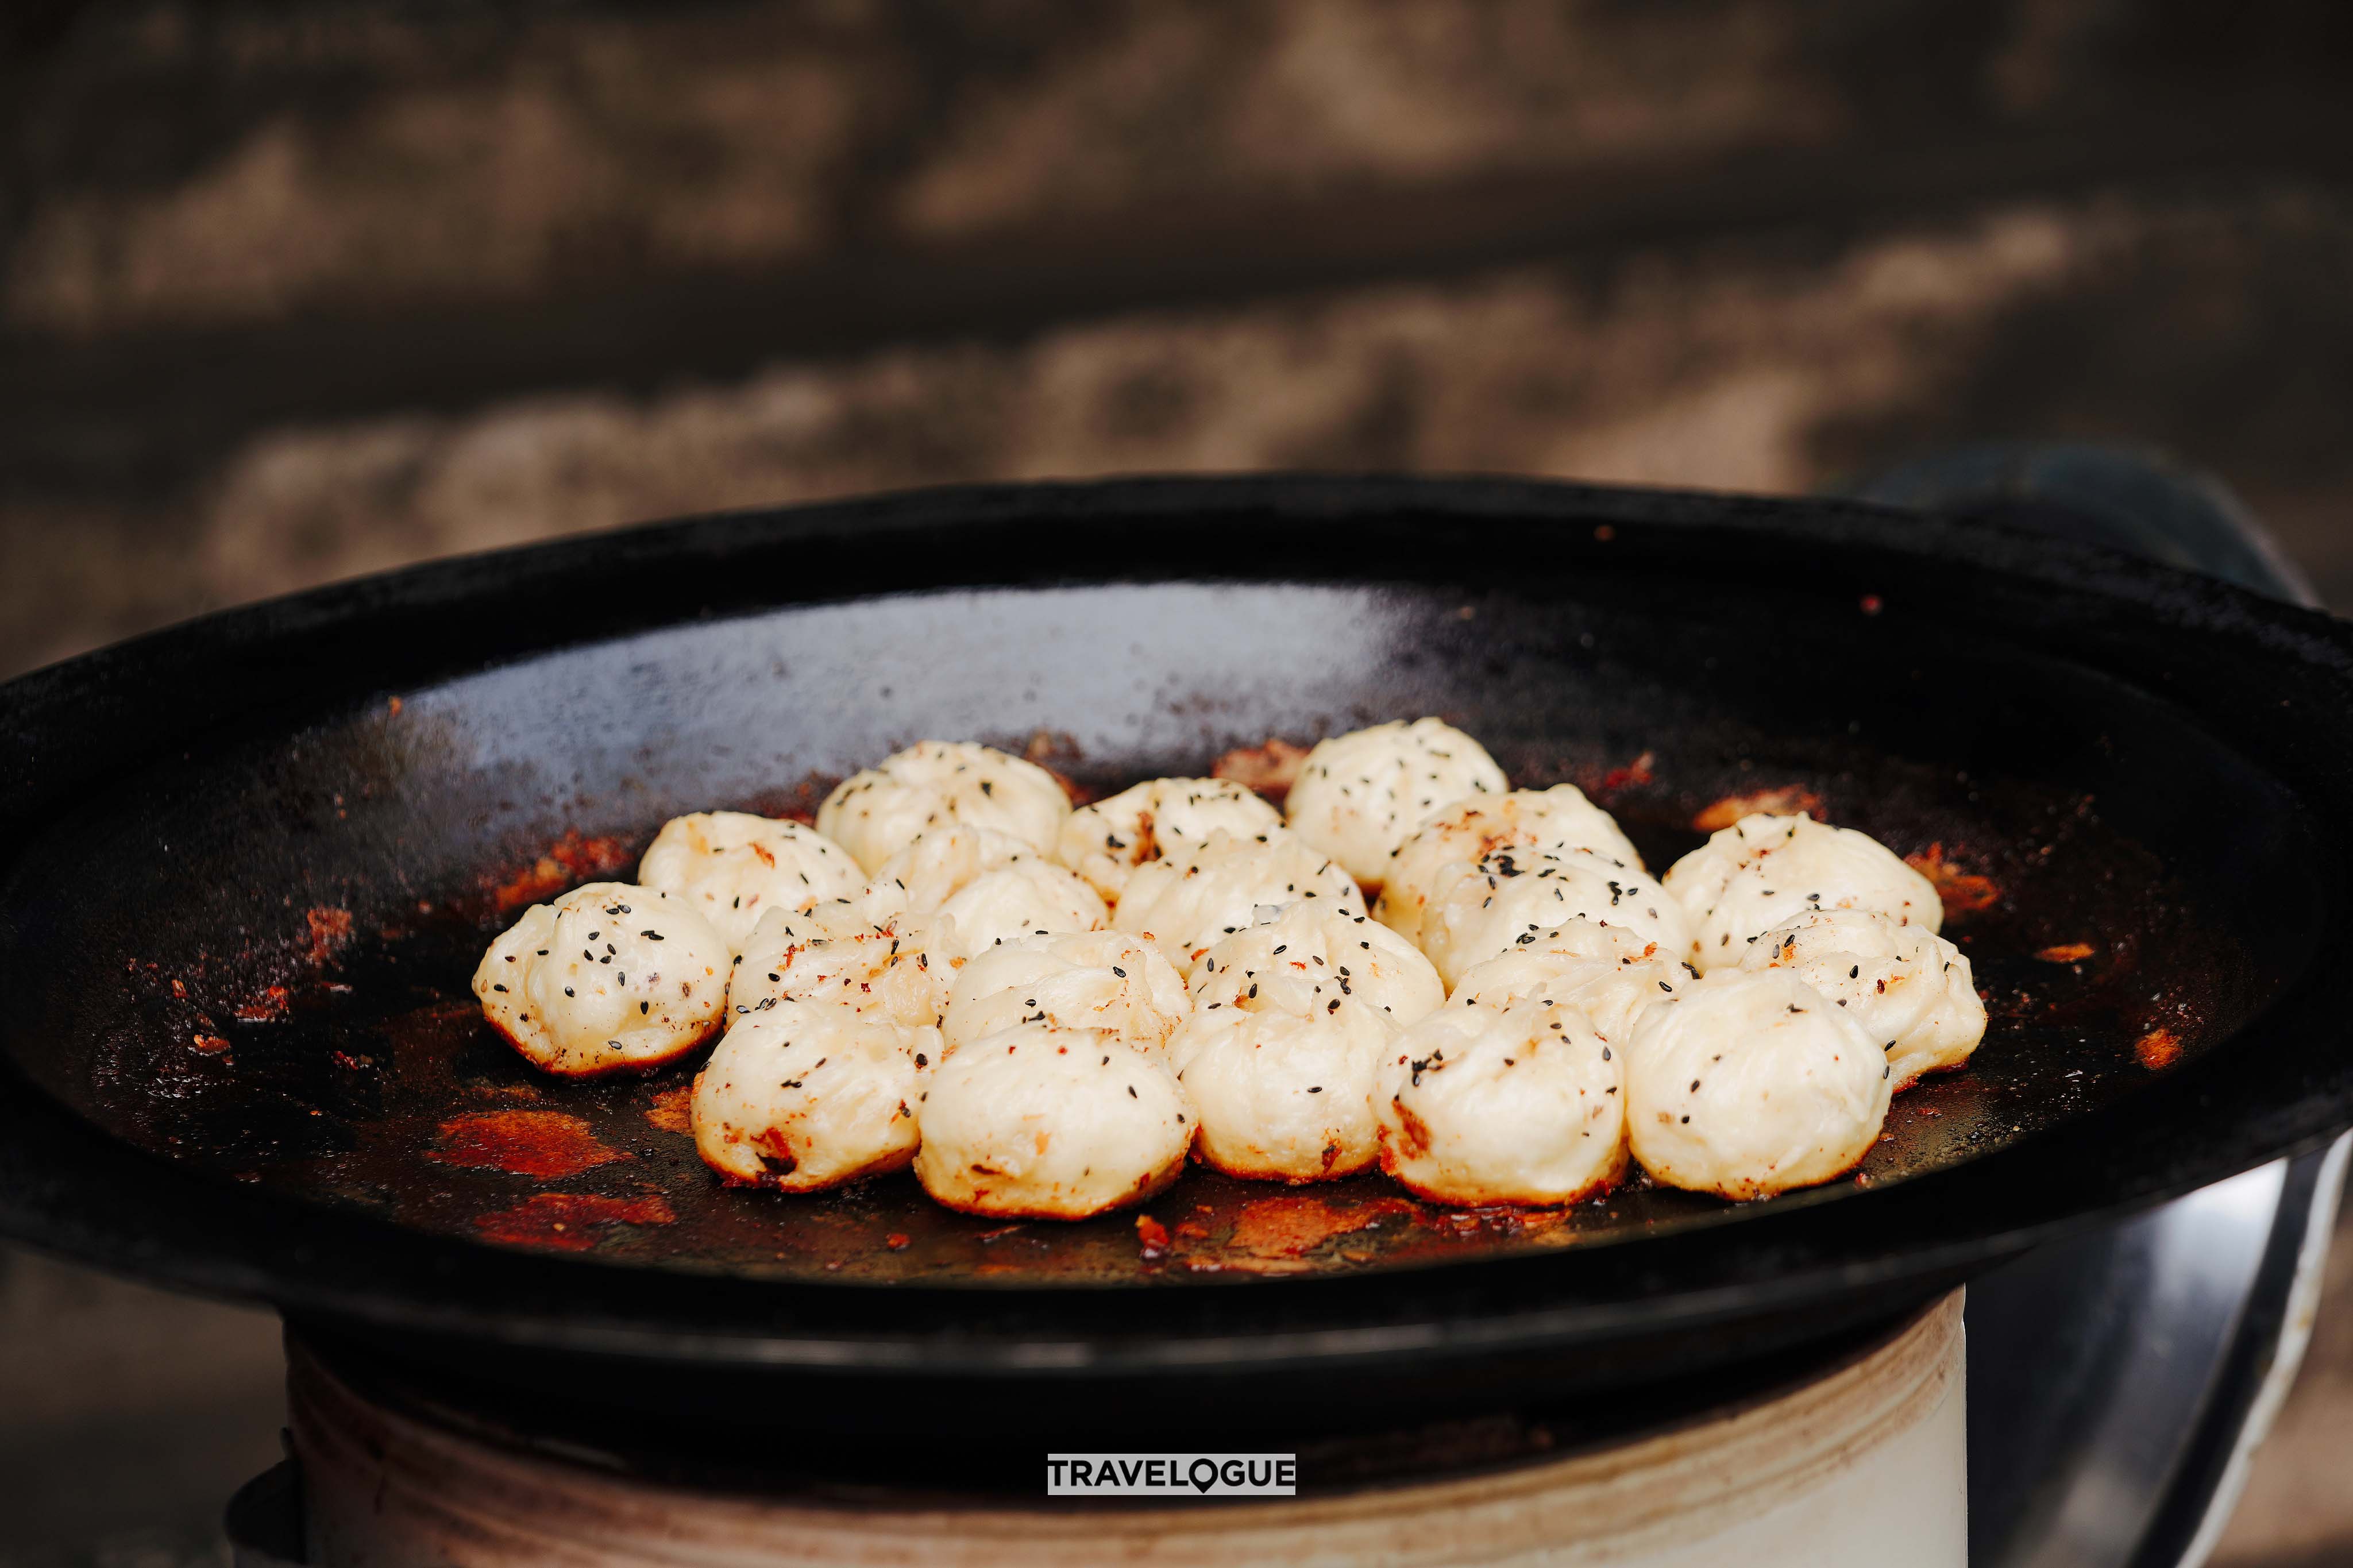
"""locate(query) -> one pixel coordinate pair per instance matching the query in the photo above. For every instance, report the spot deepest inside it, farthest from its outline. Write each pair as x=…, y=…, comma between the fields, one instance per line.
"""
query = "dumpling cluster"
x=1045, y=1011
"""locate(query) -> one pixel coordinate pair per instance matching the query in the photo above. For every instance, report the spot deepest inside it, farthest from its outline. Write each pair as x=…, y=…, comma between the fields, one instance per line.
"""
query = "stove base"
x=1862, y=1463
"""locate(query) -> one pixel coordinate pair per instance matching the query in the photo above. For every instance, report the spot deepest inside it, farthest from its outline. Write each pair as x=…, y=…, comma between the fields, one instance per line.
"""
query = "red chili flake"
x=548, y=1144
x=1152, y=1238
x=1872, y=603
x=897, y=1241
x=571, y=1222
x=1637, y=771
x=208, y=1045
x=2068, y=952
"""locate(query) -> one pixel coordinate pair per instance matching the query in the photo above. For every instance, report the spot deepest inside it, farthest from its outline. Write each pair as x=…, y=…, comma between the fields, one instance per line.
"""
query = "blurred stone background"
x=294, y=291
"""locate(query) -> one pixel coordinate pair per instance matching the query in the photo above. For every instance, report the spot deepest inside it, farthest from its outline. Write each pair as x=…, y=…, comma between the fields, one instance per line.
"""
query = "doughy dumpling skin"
x=1485, y=827
x=842, y=954
x=1189, y=903
x=611, y=978
x=1103, y=980
x=1361, y=795
x=1105, y=842
x=805, y=1095
x=1524, y=1104
x=981, y=888
x=1040, y=1122
x=1606, y=973
x=1765, y=870
x=1510, y=899
x=1750, y=1082
x=1907, y=987
x=942, y=784
x=1312, y=951
x=1279, y=1052
x=731, y=868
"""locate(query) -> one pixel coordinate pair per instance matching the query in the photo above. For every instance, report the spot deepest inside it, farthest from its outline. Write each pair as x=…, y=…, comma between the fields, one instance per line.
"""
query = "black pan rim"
x=101, y=1202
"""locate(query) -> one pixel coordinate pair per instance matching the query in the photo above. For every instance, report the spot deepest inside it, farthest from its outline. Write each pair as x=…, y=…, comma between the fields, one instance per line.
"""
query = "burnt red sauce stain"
x=1280, y=1234
x=1786, y=800
x=548, y=1144
x=571, y=1222
x=271, y=1004
x=1059, y=753
x=1963, y=892
x=1630, y=776
x=672, y=1110
x=1270, y=768
x=566, y=863
x=2156, y=1050
x=329, y=931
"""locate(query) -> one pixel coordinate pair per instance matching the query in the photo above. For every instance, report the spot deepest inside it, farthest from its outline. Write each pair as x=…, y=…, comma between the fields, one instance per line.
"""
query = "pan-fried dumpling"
x=1520, y=1104
x=732, y=868
x=611, y=978
x=1765, y=870
x=806, y=1095
x=1103, y=980
x=1043, y=1122
x=1750, y=1082
x=1513, y=897
x=1361, y=795
x=1105, y=842
x=1484, y=827
x=942, y=784
x=1908, y=988
x=1188, y=902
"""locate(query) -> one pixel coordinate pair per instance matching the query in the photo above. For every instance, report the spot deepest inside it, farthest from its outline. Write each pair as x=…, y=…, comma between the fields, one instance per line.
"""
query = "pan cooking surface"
x=266, y=945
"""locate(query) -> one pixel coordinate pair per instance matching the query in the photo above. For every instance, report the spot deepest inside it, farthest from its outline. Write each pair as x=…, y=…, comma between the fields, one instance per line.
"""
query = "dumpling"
x=1908, y=989
x=611, y=978
x=942, y=784
x=1050, y=1123
x=982, y=888
x=1280, y=1062
x=840, y=952
x=1361, y=795
x=1750, y=1082
x=1606, y=973
x=732, y=868
x=1105, y=842
x=805, y=1095
x=1086, y=980
x=1521, y=1104
x=1316, y=951
x=1765, y=870
x=1511, y=898
x=1545, y=821
x=1188, y=902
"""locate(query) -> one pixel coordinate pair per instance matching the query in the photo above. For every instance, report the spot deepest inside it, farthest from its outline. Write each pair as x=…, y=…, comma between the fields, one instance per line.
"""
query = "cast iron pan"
x=251, y=862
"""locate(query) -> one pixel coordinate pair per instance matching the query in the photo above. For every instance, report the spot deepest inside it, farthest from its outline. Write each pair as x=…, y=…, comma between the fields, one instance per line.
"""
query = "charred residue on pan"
x=347, y=1061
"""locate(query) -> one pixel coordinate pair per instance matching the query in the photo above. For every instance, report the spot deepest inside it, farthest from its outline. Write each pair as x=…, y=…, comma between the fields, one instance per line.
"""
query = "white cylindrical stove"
x=1859, y=1460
